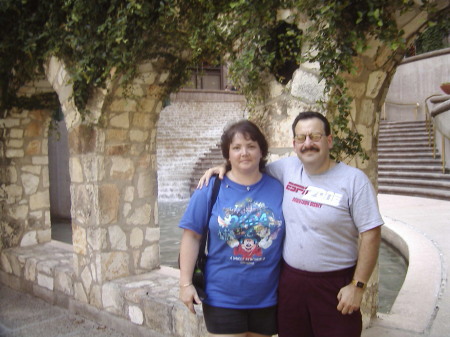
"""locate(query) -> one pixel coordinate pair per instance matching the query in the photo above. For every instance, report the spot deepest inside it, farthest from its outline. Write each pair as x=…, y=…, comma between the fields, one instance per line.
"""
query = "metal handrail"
x=416, y=104
x=431, y=128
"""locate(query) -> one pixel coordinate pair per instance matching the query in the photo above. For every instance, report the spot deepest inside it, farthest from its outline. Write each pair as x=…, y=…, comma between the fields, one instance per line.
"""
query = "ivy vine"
x=94, y=38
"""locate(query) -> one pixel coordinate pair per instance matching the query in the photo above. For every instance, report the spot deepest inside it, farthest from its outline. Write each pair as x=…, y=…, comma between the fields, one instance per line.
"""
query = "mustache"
x=312, y=148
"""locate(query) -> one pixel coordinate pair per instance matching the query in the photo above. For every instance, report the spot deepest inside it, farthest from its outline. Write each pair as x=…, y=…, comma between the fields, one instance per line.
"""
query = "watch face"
x=360, y=284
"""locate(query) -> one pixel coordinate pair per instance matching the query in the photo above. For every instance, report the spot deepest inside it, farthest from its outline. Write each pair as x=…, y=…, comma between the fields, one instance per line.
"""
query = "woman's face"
x=245, y=154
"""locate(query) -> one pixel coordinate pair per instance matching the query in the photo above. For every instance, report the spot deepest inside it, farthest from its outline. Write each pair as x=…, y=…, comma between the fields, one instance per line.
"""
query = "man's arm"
x=204, y=180
x=350, y=296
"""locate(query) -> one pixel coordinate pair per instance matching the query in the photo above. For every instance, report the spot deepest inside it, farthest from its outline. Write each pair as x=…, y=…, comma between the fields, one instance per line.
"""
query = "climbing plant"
x=436, y=36
x=97, y=39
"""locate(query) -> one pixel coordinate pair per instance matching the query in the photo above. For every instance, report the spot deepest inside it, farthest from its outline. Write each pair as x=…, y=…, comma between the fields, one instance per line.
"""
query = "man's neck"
x=312, y=169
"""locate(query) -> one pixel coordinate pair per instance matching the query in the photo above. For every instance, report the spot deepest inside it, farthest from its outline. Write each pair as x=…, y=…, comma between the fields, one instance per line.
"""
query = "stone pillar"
x=113, y=180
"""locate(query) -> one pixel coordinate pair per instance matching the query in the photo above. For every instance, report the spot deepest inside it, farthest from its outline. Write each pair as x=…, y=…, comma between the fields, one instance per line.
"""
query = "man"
x=327, y=207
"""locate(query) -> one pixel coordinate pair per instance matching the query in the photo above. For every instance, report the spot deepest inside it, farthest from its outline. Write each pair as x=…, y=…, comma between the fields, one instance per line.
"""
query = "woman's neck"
x=244, y=178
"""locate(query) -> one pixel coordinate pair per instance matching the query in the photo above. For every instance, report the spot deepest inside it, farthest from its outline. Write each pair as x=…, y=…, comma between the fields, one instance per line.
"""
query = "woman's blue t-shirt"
x=245, y=241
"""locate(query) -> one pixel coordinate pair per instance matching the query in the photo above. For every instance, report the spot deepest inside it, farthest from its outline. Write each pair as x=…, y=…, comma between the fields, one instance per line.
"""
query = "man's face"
x=312, y=152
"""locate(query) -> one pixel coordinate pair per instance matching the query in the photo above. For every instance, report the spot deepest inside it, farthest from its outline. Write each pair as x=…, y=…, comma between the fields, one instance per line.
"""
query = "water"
x=392, y=265
x=170, y=214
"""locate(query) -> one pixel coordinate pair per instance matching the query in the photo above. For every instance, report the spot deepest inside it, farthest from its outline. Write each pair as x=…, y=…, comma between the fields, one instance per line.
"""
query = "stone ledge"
x=146, y=304
x=424, y=277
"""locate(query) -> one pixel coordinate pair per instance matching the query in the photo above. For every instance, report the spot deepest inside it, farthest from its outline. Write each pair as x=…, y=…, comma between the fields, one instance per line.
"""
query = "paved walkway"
x=422, y=307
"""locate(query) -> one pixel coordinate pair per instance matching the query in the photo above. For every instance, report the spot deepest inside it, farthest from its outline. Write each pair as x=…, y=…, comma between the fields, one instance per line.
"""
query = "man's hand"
x=350, y=298
x=204, y=180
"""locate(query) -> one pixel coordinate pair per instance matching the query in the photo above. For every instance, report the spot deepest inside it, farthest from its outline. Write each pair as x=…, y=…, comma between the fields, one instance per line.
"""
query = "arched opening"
x=59, y=176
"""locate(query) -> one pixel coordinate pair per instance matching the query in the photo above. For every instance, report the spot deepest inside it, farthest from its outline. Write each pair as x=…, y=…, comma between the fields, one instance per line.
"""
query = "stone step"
x=408, y=161
x=386, y=144
x=403, y=139
x=414, y=174
x=407, y=155
x=406, y=148
x=415, y=192
x=402, y=124
x=414, y=168
x=414, y=182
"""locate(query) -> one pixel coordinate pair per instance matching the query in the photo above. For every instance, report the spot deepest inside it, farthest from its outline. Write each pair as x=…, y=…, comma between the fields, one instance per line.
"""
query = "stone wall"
x=24, y=198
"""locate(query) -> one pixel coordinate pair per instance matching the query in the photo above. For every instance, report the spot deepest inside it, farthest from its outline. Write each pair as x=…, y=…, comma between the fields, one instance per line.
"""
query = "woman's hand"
x=204, y=180
x=189, y=296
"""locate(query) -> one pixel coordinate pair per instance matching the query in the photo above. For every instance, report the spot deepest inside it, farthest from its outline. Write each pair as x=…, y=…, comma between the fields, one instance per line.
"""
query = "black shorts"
x=234, y=321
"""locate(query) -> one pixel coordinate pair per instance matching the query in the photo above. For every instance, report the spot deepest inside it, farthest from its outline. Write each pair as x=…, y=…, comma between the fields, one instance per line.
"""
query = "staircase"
x=405, y=162
x=210, y=159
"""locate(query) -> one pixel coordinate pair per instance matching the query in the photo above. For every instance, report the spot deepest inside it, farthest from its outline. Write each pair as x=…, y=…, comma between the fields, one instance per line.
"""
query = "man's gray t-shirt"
x=324, y=214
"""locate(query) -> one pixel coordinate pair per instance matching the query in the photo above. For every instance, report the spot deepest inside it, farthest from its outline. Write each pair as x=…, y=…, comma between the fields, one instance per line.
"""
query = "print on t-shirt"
x=248, y=228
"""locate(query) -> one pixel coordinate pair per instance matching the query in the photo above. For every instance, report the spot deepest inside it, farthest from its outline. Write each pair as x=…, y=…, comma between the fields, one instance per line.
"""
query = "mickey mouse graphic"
x=248, y=228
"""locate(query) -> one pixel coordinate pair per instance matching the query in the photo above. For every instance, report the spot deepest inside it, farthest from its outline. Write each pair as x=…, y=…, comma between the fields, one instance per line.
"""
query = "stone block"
x=141, y=120
x=19, y=212
x=116, y=135
x=129, y=193
x=138, y=136
x=13, y=193
x=79, y=239
x=112, y=298
x=33, y=148
x=115, y=265
x=152, y=234
x=108, y=203
x=76, y=170
x=29, y=239
x=117, y=238
x=30, y=183
x=82, y=139
x=140, y=216
x=63, y=281
x=16, y=143
x=79, y=293
x=9, y=123
x=5, y=265
x=40, y=200
x=121, y=168
x=12, y=153
x=376, y=80
x=45, y=281
x=39, y=160
x=16, y=133
x=150, y=257
x=135, y=315
x=186, y=324
x=120, y=121
x=136, y=238
x=158, y=315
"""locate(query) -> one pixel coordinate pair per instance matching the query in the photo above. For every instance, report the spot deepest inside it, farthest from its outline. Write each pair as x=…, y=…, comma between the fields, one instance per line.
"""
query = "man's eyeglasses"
x=315, y=137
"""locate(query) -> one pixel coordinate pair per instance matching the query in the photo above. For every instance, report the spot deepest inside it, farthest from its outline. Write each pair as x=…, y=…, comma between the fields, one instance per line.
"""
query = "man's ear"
x=330, y=141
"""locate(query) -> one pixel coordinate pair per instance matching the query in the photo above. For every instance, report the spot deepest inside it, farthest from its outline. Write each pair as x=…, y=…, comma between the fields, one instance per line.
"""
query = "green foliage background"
x=98, y=38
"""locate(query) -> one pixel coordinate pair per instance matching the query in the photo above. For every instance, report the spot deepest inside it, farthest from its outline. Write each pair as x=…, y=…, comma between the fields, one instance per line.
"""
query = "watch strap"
x=359, y=284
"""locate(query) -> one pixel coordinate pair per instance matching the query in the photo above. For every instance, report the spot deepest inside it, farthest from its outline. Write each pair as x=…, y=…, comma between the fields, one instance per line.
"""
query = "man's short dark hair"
x=312, y=114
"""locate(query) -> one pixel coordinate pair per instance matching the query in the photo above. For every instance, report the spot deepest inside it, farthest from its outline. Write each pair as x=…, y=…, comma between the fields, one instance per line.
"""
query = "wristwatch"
x=359, y=284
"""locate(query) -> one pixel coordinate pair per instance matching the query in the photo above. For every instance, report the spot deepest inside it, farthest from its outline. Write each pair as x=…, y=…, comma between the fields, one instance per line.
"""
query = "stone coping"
x=148, y=304
x=423, y=279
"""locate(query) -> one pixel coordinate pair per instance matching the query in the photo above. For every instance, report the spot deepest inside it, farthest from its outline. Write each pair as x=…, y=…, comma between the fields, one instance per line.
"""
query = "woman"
x=246, y=232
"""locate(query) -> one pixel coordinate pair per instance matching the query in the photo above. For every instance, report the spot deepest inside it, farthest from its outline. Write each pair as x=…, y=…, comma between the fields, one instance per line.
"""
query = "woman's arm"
x=189, y=247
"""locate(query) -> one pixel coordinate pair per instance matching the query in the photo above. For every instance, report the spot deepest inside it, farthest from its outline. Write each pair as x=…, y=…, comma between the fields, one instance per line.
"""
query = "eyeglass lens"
x=315, y=137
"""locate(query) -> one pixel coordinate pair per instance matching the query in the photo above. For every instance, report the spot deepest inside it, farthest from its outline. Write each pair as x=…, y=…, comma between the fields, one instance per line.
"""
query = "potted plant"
x=446, y=87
